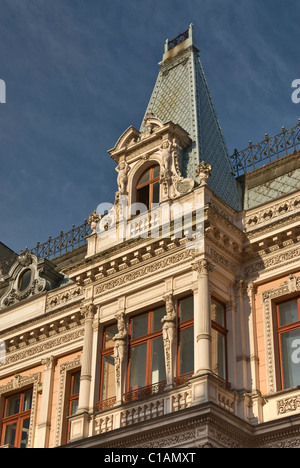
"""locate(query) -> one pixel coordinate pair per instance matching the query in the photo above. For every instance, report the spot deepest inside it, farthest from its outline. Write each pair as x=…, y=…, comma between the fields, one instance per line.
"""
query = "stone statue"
x=169, y=337
x=120, y=340
x=122, y=169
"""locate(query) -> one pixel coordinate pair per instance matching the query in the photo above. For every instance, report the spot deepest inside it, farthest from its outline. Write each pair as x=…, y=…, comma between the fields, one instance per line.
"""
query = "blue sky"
x=79, y=73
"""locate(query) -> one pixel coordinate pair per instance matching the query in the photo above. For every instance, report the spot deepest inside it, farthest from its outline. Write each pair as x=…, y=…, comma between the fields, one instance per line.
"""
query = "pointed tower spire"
x=181, y=95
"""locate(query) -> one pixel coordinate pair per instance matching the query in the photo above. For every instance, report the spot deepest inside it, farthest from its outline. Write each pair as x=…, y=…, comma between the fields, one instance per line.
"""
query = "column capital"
x=202, y=267
x=49, y=362
x=88, y=311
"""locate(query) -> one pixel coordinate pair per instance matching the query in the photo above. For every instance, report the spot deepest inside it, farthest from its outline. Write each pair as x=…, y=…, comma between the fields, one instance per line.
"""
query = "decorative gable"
x=27, y=277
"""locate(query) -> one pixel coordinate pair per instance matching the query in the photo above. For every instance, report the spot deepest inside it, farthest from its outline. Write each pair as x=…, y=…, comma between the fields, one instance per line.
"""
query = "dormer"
x=150, y=157
x=148, y=167
x=28, y=277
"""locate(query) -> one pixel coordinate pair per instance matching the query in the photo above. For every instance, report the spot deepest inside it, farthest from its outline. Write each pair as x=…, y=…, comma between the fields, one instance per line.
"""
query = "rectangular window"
x=108, y=379
x=288, y=319
x=185, y=364
x=16, y=421
x=146, y=366
x=73, y=398
x=219, y=339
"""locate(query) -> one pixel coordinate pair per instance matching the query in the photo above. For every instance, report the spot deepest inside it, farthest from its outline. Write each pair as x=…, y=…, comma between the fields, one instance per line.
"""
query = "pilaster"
x=44, y=424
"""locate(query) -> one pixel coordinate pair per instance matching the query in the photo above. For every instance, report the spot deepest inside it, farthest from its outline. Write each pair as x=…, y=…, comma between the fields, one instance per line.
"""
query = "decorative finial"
x=203, y=172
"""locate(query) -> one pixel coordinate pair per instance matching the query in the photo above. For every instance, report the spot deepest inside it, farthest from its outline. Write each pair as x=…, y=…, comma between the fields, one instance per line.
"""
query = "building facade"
x=172, y=318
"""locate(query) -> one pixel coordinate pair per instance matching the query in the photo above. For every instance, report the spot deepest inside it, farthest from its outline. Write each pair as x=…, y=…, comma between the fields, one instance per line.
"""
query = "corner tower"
x=181, y=95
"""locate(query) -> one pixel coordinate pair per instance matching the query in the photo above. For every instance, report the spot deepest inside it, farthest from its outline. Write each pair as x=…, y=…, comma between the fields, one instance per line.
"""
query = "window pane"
x=24, y=280
x=110, y=332
x=288, y=312
x=75, y=383
x=155, y=171
x=27, y=400
x=139, y=326
x=157, y=316
x=144, y=178
x=13, y=405
x=108, y=385
x=138, y=361
x=290, y=349
x=218, y=313
x=158, y=371
x=143, y=196
x=24, y=433
x=218, y=354
x=186, y=309
x=74, y=407
x=155, y=193
x=186, y=350
x=10, y=434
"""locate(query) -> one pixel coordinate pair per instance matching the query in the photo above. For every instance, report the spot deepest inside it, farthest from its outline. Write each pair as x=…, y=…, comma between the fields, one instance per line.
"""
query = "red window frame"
x=182, y=377
x=17, y=418
x=222, y=329
x=144, y=339
x=73, y=397
x=281, y=329
x=152, y=180
x=106, y=351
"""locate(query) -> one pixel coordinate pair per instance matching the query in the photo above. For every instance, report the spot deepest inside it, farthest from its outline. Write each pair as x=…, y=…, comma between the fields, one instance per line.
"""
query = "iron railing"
x=268, y=150
x=144, y=392
x=65, y=242
x=178, y=39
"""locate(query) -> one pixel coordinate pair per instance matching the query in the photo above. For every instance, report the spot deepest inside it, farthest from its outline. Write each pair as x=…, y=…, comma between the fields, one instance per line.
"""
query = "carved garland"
x=288, y=287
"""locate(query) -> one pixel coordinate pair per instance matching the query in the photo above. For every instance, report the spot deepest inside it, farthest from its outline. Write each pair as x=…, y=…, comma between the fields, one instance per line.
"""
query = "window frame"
x=71, y=398
x=181, y=378
x=17, y=418
x=152, y=180
x=144, y=339
x=282, y=329
x=107, y=402
x=224, y=332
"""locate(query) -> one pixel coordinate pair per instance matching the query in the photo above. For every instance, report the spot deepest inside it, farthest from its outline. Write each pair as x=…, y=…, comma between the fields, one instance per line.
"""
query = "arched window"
x=24, y=280
x=148, y=187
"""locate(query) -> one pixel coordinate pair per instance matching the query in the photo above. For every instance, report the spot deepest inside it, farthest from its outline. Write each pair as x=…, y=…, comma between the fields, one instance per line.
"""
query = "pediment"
x=130, y=136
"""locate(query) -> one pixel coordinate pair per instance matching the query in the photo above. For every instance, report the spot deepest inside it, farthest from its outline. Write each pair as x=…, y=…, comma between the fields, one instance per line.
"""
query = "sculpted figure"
x=166, y=155
x=120, y=339
x=122, y=179
x=94, y=219
x=169, y=320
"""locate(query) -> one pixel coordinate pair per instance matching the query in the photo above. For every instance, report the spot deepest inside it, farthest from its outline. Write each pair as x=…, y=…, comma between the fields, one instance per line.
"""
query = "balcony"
x=159, y=400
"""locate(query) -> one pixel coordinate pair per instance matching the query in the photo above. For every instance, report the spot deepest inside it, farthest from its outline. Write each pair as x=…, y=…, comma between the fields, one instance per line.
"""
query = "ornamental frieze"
x=45, y=346
x=64, y=297
x=144, y=271
x=267, y=214
x=282, y=259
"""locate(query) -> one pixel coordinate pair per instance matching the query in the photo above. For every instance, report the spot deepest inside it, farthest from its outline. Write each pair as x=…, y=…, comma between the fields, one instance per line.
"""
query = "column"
x=80, y=421
x=242, y=338
x=86, y=358
x=202, y=319
x=43, y=428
